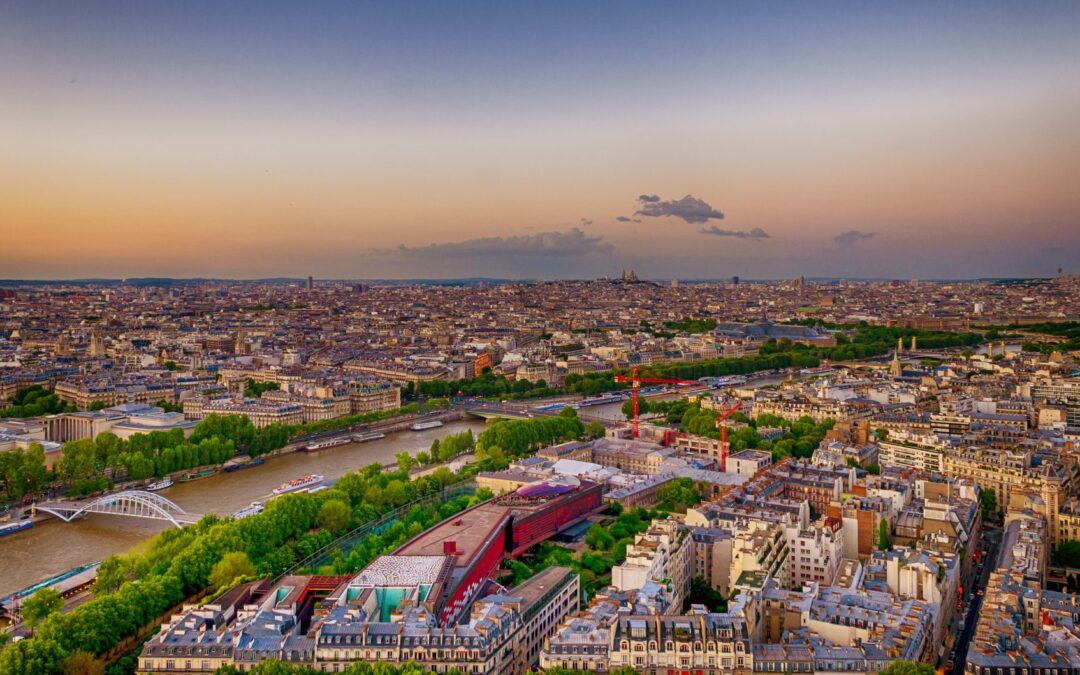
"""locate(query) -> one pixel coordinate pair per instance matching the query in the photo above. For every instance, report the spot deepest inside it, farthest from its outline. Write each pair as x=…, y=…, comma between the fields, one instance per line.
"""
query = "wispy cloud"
x=585, y=222
x=689, y=208
x=626, y=219
x=756, y=233
x=851, y=237
x=571, y=243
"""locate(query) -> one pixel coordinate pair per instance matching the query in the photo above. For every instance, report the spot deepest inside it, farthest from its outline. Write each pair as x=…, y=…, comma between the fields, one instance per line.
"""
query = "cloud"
x=544, y=245
x=585, y=222
x=851, y=237
x=625, y=219
x=756, y=233
x=691, y=209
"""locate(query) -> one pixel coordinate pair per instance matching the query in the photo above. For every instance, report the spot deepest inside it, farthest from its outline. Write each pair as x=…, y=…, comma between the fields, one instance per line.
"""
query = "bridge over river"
x=129, y=503
x=520, y=411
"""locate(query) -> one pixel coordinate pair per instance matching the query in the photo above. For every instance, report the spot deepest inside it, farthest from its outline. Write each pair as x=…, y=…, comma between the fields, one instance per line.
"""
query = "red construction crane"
x=635, y=383
x=723, y=433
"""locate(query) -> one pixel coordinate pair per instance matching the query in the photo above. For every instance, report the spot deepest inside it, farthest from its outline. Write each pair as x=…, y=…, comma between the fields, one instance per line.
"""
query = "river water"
x=52, y=547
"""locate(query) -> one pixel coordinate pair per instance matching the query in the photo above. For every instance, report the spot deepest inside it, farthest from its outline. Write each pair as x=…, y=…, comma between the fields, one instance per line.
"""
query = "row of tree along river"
x=52, y=547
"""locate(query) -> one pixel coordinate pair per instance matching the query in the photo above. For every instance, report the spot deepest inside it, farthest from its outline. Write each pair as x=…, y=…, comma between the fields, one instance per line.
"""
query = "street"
x=991, y=540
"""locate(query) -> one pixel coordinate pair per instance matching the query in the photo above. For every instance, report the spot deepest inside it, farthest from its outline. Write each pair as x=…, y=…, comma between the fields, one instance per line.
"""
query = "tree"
x=112, y=573
x=23, y=471
x=644, y=407
x=1067, y=554
x=82, y=663
x=594, y=430
x=678, y=495
x=255, y=389
x=701, y=593
x=31, y=657
x=405, y=461
x=901, y=667
x=882, y=433
x=231, y=567
x=598, y=538
x=884, y=542
x=39, y=606
x=334, y=516
x=988, y=499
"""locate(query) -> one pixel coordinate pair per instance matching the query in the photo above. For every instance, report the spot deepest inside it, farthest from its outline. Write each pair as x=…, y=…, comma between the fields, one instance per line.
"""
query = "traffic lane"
x=990, y=554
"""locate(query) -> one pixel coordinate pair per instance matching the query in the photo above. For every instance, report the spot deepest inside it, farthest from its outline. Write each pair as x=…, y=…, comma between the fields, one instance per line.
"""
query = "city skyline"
x=424, y=141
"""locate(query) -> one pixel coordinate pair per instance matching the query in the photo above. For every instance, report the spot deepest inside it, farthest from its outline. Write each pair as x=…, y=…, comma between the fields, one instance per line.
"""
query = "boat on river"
x=159, y=485
x=205, y=473
x=424, y=426
x=253, y=510
x=16, y=526
x=302, y=483
x=366, y=436
x=328, y=443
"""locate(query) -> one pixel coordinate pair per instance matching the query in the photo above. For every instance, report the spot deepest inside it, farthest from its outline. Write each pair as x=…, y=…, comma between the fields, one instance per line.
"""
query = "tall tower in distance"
x=895, y=369
x=97, y=341
x=310, y=283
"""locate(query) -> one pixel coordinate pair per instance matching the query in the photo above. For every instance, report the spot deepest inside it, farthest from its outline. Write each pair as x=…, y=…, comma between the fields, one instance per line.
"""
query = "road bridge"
x=522, y=412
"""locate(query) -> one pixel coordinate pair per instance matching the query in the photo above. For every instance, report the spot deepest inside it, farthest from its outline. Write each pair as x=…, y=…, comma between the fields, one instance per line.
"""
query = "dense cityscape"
x=822, y=476
x=539, y=338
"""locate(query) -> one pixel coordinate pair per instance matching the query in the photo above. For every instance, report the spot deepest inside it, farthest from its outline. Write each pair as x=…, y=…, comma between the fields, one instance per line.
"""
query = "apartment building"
x=814, y=553
x=912, y=451
x=662, y=554
x=261, y=414
x=657, y=645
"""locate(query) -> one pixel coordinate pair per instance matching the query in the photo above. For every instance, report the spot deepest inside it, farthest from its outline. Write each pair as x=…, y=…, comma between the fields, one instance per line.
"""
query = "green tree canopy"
x=39, y=606
x=231, y=567
x=594, y=430
x=678, y=495
x=701, y=593
x=334, y=516
x=884, y=541
x=82, y=663
x=901, y=667
x=1067, y=553
x=988, y=499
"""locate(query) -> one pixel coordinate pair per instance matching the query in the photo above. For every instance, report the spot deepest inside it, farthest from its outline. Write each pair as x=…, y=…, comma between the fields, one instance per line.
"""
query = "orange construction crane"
x=635, y=383
x=723, y=433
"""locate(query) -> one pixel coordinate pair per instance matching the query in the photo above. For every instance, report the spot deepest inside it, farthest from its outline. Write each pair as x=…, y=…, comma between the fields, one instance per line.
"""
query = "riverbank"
x=53, y=547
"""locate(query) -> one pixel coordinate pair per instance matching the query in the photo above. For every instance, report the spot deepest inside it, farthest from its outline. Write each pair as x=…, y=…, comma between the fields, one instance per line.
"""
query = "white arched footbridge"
x=130, y=503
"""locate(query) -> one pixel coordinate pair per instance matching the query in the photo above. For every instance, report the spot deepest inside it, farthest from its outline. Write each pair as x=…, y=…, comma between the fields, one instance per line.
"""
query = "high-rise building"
x=310, y=283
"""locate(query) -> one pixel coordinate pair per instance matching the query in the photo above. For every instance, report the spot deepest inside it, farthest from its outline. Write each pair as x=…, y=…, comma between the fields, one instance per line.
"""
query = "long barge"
x=328, y=443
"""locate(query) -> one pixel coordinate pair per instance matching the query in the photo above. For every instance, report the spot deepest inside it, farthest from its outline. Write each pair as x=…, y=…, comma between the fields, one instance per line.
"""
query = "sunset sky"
x=541, y=139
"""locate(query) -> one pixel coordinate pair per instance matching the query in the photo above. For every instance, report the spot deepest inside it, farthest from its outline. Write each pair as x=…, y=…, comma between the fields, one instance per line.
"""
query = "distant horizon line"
x=501, y=280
